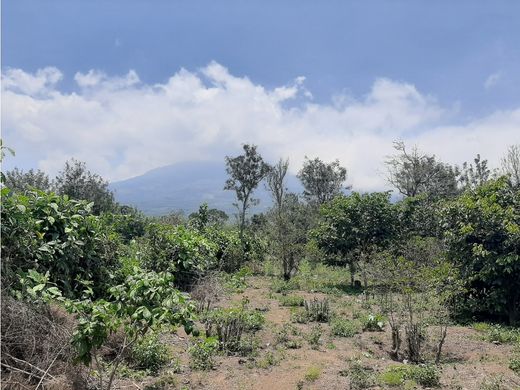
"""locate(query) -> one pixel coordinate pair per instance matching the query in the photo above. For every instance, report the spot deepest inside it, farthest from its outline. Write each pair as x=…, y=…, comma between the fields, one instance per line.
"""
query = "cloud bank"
x=123, y=127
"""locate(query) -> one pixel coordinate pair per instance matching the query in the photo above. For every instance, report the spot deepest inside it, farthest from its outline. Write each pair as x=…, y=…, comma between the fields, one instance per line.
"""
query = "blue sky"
x=463, y=57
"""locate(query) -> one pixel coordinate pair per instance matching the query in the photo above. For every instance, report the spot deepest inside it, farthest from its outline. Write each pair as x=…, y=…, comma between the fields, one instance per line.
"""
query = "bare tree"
x=413, y=173
x=511, y=163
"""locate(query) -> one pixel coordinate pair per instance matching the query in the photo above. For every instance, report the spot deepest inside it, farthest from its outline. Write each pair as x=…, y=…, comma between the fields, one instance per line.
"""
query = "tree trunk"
x=352, y=270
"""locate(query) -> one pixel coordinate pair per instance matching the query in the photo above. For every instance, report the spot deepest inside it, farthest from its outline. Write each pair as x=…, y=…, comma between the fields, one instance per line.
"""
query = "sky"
x=128, y=86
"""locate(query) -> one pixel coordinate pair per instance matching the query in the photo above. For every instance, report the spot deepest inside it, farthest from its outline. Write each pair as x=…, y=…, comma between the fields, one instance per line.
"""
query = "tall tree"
x=20, y=181
x=413, y=173
x=245, y=174
x=511, y=163
x=321, y=181
x=78, y=182
x=473, y=176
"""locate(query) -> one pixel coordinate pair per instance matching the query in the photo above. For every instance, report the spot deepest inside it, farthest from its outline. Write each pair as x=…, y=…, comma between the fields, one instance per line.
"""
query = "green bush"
x=312, y=373
x=514, y=364
x=360, y=377
x=318, y=310
x=291, y=300
x=184, y=252
x=425, y=375
x=150, y=354
x=202, y=353
x=47, y=232
x=373, y=323
x=314, y=336
x=299, y=316
x=344, y=328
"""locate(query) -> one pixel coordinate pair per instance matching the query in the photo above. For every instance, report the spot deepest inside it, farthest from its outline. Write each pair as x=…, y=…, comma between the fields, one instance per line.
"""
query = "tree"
x=511, y=163
x=482, y=233
x=474, y=176
x=353, y=227
x=414, y=173
x=19, y=181
x=79, y=183
x=321, y=181
x=246, y=172
x=205, y=217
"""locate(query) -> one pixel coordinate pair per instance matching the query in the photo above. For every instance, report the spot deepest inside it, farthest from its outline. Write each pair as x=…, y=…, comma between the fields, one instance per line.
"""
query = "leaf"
x=21, y=207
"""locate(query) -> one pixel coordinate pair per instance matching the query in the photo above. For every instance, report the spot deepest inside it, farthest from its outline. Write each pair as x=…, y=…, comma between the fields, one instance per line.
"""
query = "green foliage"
x=344, y=328
x=184, y=252
x=150, y=354
x=146, y=301
x=203, y=352
x=352, y=227
x=514, y=363
x=283, y=286
x=424, y=375
x=245, y=173
x=291, y=300
x=285, y=336
x=269, y=359
x=314, y=336
x=373, y=323
x=360, y=377
x=48, y=232
x=19, y=181
x=77, y=182
x=321, y=181
x=236, y=282
x=482, y=230
x=497, y=333
x=312, y=373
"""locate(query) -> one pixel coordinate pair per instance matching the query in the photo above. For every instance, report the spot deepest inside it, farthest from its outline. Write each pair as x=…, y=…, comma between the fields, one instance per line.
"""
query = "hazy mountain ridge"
x=184, y=186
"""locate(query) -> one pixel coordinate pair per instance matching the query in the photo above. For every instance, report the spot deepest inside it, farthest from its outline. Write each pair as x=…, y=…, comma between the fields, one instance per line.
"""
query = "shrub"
x=317, y=310
x=47, y=232
x=283, y=336
x=314, y=336
x=360, y=377
x=344, y=328
x=228, y=325
x=373, y=323
x=424, y=375
x=269, y=359
x=282, y=286
x=202, y=353
x=291, y=300
x=299, y=316
x=514, y=364
x=312, y=373
x=150, y=354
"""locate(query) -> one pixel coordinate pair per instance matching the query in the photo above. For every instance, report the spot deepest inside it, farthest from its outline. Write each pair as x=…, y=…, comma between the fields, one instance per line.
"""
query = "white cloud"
x=492, y=80
x=122, y=127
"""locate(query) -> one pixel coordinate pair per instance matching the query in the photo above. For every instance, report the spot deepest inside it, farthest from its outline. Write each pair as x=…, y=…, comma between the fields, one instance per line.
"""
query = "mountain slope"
x=184, y=186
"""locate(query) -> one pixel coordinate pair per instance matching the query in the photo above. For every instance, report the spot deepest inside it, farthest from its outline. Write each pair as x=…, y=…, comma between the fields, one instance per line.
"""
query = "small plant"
x=312, y=374
x=318, y=310
x=373, y=323
x=514, y=364
x=299, y=316
x=360, y=377
x=268, y=360
x=291, y=300
x=203, y=353
x=314, y=336
x=424, y=375
x=344, y=328
x=150, y=354
x=282, y=286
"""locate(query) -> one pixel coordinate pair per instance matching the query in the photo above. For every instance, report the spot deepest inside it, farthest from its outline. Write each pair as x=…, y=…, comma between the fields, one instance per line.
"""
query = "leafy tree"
x=3, y=151
x=79, y=183
x=511, y=164
x=414, y=173
x=321, y=181
x=482, y=232
x=473, y=176
x=354, y=227
x=246, y=172
x=20, y=181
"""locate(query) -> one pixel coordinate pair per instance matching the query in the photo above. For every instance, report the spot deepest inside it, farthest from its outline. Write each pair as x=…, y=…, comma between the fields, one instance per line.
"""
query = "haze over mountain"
x=184, y=186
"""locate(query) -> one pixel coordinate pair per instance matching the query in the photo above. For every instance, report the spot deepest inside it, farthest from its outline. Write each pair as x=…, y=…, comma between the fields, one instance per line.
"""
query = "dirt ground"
x=468, y=361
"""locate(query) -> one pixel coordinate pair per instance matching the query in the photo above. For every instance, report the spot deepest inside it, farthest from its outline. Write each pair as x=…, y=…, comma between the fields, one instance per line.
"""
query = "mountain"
x=185, y=186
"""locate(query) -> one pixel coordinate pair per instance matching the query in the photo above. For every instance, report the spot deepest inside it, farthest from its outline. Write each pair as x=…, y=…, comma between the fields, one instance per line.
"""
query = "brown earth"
x=467, y=359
